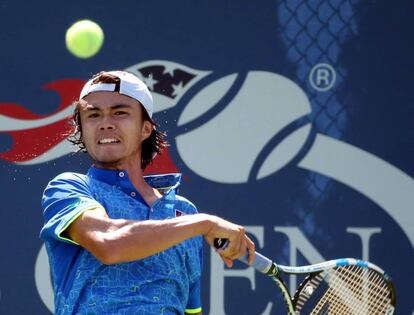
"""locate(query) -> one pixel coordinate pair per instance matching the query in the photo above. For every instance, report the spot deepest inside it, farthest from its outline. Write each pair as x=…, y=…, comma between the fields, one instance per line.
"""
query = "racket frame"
x=268, y=267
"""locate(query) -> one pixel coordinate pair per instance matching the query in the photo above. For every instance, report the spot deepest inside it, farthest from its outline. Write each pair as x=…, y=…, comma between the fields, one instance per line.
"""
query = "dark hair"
x=151, y=146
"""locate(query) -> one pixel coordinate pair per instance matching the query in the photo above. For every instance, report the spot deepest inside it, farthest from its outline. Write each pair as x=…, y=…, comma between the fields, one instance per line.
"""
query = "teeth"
x=108, y=140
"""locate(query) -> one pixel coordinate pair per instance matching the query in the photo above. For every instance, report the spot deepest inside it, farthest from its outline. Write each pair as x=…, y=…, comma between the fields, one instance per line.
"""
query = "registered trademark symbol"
x=322, y=77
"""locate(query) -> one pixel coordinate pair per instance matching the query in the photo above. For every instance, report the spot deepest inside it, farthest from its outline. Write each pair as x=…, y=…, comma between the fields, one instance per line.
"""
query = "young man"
x=119, y=242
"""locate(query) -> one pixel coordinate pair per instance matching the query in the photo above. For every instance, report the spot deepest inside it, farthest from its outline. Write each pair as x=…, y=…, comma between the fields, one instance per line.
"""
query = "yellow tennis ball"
x=84, y=38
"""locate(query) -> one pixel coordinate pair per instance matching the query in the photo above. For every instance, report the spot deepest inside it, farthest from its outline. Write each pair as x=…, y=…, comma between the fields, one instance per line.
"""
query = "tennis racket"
x=344, y=286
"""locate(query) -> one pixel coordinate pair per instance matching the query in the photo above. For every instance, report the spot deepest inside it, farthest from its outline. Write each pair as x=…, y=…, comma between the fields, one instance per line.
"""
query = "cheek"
x=129, y=135
x=136, y=138
x=87, y=136
x=133, y=131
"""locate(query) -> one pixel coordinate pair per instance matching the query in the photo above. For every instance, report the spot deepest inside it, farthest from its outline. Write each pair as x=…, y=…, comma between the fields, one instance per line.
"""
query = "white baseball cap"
x=129, y=85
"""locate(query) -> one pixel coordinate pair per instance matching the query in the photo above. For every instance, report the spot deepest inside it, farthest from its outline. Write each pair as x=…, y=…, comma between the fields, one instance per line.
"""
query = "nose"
x=107, y=123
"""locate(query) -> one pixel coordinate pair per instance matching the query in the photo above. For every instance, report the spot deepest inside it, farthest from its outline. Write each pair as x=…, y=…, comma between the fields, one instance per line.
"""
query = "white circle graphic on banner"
x=43, y=280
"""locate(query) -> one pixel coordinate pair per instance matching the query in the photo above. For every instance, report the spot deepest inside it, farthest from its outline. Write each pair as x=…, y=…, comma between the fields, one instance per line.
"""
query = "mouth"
x=108, y=141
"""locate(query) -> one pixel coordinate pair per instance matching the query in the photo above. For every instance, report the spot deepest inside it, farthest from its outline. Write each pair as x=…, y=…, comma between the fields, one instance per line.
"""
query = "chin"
x=106, y=160
x=110, y=164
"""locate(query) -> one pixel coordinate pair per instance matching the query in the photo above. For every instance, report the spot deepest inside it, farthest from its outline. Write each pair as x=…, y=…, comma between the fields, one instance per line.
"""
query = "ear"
x=146, y=129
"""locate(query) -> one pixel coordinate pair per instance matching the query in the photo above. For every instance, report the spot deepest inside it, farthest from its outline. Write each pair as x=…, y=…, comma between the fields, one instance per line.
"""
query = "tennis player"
x=120, y=242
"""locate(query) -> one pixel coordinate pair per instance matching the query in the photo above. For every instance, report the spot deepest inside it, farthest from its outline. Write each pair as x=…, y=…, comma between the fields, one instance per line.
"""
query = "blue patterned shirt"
x=164, y=283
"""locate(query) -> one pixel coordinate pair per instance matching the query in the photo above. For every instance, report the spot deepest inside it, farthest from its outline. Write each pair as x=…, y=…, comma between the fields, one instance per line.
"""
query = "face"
x=113, y=129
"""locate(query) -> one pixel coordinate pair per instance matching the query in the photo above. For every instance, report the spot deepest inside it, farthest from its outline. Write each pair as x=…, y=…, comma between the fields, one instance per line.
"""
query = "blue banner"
x=292, y=118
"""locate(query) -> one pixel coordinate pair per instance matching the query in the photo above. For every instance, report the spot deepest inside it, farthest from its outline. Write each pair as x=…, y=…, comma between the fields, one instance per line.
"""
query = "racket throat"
x=272, y=270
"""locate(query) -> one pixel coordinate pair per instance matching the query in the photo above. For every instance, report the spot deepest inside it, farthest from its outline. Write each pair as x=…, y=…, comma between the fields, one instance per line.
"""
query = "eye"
x=120, y=113
x=93, y=115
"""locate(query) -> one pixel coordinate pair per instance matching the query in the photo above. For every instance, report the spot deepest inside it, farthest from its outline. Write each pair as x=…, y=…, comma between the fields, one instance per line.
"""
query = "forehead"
x=104, y=99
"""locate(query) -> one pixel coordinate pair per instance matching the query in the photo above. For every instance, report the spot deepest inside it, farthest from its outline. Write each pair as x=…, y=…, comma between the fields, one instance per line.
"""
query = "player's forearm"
x=114, y=241
x=133, y=240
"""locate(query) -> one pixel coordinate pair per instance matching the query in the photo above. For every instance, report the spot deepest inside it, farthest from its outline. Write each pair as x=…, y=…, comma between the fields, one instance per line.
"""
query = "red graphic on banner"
x=37, y=134
x=162, y=163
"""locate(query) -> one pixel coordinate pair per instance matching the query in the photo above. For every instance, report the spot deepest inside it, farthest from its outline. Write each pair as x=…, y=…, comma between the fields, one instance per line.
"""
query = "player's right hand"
x=238, y=241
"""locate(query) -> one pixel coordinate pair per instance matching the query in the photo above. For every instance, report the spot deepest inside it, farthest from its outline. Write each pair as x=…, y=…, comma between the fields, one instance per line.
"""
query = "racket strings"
x=371, y=286
x=360, y=288
x=346, y=290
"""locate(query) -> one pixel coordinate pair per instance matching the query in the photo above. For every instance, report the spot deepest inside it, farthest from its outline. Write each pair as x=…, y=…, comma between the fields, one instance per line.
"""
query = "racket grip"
x=260, y=262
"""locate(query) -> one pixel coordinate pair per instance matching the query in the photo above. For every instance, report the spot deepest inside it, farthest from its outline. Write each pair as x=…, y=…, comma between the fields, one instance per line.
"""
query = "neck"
x=136, y=176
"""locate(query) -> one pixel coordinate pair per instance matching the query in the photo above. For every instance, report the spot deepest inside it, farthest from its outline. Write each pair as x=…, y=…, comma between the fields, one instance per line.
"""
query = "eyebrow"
x=121, y=106
x=91, y=107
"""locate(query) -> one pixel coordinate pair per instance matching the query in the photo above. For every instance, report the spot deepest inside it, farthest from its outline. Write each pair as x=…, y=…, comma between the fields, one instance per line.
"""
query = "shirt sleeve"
x=194, y=300
x=65, y=198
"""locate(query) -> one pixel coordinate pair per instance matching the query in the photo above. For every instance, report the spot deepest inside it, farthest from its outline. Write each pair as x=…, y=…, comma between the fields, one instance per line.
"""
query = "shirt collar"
x=162, y=182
